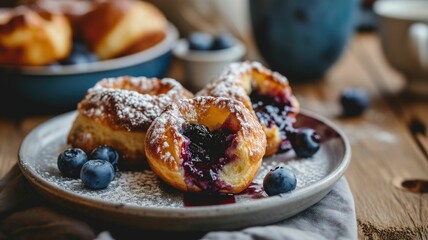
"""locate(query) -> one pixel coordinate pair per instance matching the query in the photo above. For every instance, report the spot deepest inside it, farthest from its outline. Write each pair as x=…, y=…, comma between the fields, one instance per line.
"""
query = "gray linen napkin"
x=331, y=218
x=24, y=214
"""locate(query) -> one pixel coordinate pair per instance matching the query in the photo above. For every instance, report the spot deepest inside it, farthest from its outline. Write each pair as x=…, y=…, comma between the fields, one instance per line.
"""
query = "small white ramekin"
x=201, y=67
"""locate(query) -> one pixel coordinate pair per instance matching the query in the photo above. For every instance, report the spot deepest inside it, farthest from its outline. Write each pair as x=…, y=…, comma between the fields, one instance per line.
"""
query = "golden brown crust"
x=238, y=81
x=73, y=10
x=117, y=27
x=130, y=103
x=87, y=134
x=145, y=42
x=164, y=141
x=30, y=37
x=118, y=112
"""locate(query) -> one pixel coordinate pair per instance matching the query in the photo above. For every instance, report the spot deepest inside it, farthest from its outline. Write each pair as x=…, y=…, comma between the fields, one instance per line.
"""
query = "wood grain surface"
x=385, y=152
x=389, y=166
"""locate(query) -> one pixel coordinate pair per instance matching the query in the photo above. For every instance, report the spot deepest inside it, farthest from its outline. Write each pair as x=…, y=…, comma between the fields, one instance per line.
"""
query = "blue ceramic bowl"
x=59, y=88
x=302, y=39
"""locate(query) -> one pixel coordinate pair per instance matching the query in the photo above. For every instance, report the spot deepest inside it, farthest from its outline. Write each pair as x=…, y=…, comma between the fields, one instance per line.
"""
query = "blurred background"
x=302, y=40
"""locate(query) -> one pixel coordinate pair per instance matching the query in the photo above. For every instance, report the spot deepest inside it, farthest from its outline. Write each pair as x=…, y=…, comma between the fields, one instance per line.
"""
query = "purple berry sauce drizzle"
x=204, y=154
x=204, y=199
x=254, y=191
x=273, y=110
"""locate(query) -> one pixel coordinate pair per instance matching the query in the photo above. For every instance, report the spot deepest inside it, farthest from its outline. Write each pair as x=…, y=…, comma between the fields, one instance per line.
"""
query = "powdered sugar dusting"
x=236, y=70
x=172, y=120
x=131, y=103
x=130, y=108
x=233, y=83
x=223, y=89
x=157, y=134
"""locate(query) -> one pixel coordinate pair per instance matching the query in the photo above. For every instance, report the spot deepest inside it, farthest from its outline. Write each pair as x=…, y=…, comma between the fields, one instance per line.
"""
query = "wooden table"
x=389, y=142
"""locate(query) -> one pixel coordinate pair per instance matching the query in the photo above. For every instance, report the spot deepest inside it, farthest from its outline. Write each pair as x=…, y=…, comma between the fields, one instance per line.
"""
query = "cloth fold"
x=24, y=214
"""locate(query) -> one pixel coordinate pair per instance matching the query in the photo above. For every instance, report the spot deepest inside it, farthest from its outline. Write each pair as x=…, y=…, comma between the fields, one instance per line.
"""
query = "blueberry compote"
x=273, y=110
x=204, y=155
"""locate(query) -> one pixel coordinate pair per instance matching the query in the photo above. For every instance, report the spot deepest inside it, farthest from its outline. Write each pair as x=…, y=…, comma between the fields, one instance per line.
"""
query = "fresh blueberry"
x=223, y=41
x=74, y=58
x=97, y=174
x=279, y=180
x=79, y=46
x=106, y=153
x=91, y=57
x=354, y=101
x=200, y=41
x=79, y=54
x=71, y=161
x=305, y=142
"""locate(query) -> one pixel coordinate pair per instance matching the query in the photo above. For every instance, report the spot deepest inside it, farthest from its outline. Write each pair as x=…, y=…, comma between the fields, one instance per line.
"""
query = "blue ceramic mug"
x=302, y=39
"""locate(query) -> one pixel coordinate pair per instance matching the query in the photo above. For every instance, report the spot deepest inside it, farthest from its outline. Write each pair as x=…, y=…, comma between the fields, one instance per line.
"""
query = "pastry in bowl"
x=118, y=111
x=116, y=28
x=206, y=144
x=30, y=37
x=265, y=93
x=73, y=10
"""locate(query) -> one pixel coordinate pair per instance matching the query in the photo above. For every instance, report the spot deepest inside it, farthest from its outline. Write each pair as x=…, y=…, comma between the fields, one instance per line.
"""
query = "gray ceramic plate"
x=140, y=199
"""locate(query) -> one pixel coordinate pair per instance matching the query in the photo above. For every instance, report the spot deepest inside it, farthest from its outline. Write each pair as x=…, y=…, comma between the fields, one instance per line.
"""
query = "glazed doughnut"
x=33, y=38
x=265, y=93
x=206, y=144
x=118, y=111
x=116, y=28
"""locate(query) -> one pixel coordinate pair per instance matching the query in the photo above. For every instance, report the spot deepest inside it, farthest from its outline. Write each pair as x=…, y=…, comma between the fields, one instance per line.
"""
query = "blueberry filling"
x=204, y=155
x=272, y=111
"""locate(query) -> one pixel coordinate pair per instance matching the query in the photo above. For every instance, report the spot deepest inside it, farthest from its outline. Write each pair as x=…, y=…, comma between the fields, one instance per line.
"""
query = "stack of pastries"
x=211, y=142
x=45, y=31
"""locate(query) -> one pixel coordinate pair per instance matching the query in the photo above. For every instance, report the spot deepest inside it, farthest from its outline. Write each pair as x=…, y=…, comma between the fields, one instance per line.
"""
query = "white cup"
x=403, y=27
x=201, y=67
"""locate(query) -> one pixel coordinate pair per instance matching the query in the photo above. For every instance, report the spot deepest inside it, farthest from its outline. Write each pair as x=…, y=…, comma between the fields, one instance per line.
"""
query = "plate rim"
x=326, y=182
